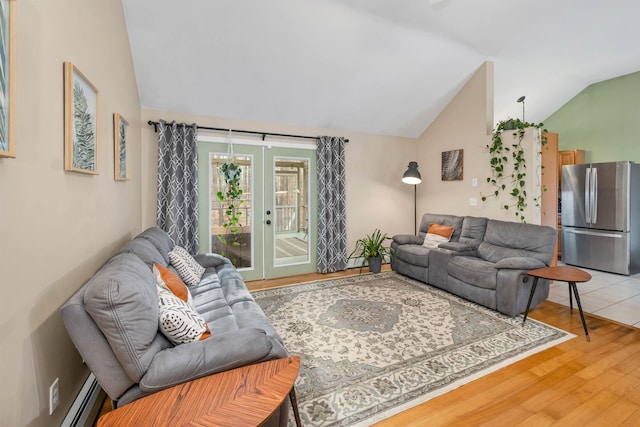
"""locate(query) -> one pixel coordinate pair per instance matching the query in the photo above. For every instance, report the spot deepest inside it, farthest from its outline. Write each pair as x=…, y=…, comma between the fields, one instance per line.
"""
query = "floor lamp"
x=412, y=176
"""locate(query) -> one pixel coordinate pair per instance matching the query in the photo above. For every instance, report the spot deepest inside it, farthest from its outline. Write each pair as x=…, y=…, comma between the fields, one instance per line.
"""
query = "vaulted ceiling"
x=385, y=67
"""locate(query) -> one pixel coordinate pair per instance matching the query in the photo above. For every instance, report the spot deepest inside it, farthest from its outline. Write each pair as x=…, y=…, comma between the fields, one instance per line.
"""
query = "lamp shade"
x=412, y=176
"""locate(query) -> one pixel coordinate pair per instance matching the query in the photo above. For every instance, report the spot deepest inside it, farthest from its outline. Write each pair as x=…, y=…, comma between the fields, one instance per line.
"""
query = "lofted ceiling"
x=384, y=67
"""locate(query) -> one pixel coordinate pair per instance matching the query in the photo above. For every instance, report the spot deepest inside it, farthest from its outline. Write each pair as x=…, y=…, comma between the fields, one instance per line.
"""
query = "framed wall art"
x=452, y=165
x=120, y=127
x=80, y=122
x=7, y=77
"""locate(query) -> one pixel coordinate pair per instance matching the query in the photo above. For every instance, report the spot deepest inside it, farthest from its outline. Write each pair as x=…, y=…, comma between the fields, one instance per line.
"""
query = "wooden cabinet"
x=568, y=157
x=549, y=199
x=565, y=157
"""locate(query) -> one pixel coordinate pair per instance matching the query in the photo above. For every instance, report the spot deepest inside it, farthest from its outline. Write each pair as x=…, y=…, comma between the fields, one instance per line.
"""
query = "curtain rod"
x=264, y=134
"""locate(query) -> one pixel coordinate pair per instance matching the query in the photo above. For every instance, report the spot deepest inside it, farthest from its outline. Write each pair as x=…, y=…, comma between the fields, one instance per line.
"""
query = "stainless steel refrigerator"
x=601, y=216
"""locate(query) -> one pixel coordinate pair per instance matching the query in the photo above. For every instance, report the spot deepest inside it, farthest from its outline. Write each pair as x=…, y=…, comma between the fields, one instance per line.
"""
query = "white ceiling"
x=377, y=66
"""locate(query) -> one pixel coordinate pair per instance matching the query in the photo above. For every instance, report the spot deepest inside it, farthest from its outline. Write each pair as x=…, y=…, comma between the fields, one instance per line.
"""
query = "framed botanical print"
x=452, y=166
x=7, y=77
x=81, y=100
x=120, y=127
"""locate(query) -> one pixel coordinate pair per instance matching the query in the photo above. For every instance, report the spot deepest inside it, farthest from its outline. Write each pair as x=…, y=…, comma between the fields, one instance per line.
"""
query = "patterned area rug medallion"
x=374, y=345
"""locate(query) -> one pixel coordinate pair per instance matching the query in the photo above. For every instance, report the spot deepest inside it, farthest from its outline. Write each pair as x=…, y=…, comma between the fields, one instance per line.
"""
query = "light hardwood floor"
x=576, y=383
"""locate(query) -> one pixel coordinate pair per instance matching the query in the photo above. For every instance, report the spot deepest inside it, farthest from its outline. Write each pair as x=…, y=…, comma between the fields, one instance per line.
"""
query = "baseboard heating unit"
x=86, y=406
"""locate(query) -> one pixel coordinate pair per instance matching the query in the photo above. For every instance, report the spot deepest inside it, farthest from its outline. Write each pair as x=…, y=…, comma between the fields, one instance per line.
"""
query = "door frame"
x=258, y=206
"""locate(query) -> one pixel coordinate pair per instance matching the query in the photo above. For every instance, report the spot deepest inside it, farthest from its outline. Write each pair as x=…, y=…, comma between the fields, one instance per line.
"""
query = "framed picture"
x=452, y=165
x=120, y=126
x=80, y=122
x=7, y=77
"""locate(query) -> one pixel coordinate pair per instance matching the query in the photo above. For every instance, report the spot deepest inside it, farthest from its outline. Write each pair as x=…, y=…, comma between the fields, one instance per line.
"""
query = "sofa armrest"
x=211, y=260
x=197, y=359
x=520, y=263
x=458, y=246
x=408, y=239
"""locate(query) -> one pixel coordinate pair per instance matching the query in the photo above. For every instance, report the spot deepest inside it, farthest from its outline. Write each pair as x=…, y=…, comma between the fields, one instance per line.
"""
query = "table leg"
x=533, y=290
x=294, y=405
x=570, y=298
x=584, y=323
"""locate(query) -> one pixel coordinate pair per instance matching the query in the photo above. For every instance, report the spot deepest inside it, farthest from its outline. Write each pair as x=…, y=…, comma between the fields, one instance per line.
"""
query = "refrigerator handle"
x=594, y=195
x=587, y=196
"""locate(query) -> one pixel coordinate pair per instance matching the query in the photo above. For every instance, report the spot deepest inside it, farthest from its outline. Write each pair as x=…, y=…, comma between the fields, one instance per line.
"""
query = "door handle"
x=594, y=195
x=268, y=222
x=268, y=212
x=587, y=196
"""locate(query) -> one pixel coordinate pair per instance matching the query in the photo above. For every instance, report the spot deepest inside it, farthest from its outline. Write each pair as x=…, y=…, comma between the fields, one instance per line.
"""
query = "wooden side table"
x=563, y=273
x=246, y=396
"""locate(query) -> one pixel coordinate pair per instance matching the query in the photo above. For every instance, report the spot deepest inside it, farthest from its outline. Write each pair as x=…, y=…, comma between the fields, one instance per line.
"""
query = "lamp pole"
x=415, y=209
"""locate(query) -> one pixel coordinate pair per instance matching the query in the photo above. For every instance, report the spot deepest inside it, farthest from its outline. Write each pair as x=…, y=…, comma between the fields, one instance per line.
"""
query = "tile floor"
x=612, y=296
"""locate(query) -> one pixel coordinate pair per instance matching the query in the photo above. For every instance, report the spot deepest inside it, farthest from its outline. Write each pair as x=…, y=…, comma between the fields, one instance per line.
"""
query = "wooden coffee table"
x=562, y=273
x=246, y=396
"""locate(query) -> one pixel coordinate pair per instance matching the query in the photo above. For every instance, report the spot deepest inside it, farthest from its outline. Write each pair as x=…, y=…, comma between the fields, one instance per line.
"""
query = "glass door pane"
x=291, y=179
x=228, y=207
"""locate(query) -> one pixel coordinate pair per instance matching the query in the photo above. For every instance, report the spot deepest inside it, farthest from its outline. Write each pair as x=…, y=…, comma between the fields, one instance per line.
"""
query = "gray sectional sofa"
x=486, y=261
x=113, y=322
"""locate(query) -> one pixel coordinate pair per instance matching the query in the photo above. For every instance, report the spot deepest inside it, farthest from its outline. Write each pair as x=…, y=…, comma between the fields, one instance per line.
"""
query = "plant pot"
x=375, y=264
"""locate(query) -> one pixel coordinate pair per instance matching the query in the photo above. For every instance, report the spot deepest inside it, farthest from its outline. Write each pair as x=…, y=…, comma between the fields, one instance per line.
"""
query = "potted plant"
x=372, y=250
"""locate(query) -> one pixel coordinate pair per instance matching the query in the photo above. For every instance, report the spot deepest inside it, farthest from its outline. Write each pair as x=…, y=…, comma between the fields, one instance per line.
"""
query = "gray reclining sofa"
x=486, y=261
x=113, y=322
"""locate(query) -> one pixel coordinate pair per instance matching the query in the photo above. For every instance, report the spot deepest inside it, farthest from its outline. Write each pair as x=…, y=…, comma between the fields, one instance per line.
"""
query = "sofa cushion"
x=145, y=250
x=473, y=229
x=520, y=263
x=449, y=220
x=474, y=271
x=512, y=239
x=121, y=298
x=160, y=239
x=186, y=266
x=413, y=254
x=178, y=321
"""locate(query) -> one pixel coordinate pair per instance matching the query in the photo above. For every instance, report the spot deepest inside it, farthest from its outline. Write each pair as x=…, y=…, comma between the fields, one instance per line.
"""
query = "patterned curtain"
x=332, y=219
x=178, y=183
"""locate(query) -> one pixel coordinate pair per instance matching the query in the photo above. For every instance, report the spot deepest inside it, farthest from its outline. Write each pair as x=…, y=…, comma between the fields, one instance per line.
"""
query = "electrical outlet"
x=54, y=396
x=473, y=201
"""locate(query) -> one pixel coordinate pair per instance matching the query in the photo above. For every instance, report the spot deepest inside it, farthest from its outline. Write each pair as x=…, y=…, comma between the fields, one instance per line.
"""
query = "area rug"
x=374, y=345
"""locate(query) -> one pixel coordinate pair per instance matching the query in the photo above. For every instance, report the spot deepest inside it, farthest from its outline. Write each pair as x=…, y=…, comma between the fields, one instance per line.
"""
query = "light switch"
x=474, y=182
x=473, y=201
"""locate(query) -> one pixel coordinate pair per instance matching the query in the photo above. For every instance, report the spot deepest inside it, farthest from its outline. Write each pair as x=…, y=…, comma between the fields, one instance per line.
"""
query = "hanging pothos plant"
x=502, y=155
x=231, y=199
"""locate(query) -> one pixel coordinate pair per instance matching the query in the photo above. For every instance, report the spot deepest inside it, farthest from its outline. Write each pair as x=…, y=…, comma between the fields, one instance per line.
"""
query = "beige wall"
x=465, y=123
x=376, y=197
x=56, y=227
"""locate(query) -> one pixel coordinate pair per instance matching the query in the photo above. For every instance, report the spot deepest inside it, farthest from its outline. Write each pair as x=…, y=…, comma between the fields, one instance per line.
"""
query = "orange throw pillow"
x=441, y=230
x=173, y=282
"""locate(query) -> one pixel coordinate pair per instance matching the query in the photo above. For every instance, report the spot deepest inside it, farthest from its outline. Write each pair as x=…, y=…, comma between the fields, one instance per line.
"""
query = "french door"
x=266, y=224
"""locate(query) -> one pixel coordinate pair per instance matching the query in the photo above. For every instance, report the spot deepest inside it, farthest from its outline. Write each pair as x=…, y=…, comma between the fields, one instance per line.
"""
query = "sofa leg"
x=294, y=405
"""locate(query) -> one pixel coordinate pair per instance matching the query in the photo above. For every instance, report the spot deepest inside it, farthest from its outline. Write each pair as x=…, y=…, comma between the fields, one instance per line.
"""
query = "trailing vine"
x=502, y=155
x=231, y=201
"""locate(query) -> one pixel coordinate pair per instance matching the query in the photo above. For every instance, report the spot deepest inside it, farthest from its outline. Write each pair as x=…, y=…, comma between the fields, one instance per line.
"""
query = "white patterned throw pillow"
x=187, y=267
x=178, y=321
